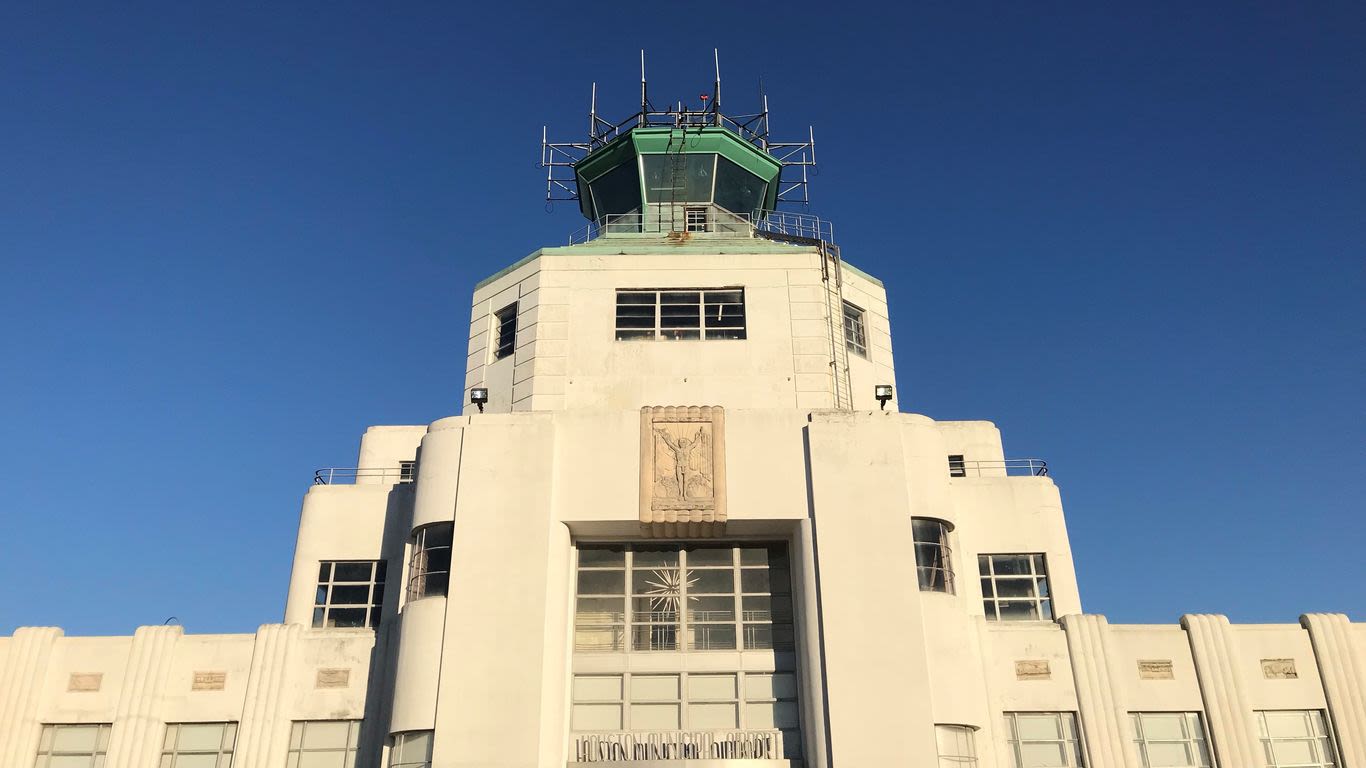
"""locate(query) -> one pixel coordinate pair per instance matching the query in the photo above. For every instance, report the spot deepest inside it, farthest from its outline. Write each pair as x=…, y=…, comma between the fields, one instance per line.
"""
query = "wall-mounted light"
x=883, y=393
x=479, y=396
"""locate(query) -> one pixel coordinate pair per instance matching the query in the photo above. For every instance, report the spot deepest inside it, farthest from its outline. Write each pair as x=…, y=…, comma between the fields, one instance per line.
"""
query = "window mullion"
x=683, y=643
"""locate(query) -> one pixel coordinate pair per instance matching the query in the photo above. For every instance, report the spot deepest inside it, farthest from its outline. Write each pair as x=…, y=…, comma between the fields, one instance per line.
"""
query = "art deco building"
x=685, y=522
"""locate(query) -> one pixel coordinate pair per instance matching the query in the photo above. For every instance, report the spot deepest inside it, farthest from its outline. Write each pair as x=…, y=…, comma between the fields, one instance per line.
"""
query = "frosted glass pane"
x=324, y=735
x=654, y=687
x=322, y=759
x=779, y=686
x=1286, y=724
x=711, y=687
x=760, y=715
x=954, y=741
x=785, y=714
x=197, y=761
x=415, y=747
x=1043, y=756
x=1293, y=752
x=597, y=717
x=199, y=738
x=74, y=739
x=654, y=717
x=597, y=688
x=1164, y=727
x=712, y=716
x=1162, y=755
x=70, y=761
x=1038, y=727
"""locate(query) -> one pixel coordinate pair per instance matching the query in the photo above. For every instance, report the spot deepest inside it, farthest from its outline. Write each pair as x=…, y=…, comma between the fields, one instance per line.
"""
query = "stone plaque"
x=209, y=681
x=682, y=470
x=1155, y=669
x=85, y=682
x=1279, y=669
x=333, y=678
x=1032, y=669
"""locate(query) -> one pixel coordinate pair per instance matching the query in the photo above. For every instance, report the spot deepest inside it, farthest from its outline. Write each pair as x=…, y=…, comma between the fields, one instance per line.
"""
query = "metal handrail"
x=1005, y=468
x=785, y=224
x=351, y=475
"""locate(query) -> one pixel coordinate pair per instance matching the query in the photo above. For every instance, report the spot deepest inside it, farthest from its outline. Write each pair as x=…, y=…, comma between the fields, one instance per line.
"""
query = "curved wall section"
x=438, y=472
x=419, y=660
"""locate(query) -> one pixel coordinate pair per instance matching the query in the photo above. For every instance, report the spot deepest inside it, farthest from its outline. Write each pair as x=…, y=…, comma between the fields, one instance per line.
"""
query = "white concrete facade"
x=502, y=658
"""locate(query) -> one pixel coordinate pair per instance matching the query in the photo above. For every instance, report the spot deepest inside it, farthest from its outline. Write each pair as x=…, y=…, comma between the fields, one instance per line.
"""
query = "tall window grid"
x=1044, y=740
x=73, y=746
x=1296, y=738
x=350, y=593
x=505, y=326
x=680, y=314
x=671, y=598
x=429, y=571
x=198, y=745
x=855, y=333
x=1015, y=587
x=957, y=746
x=933, y=557
x=411, y=749
x=1170, y=739
x=323, y=744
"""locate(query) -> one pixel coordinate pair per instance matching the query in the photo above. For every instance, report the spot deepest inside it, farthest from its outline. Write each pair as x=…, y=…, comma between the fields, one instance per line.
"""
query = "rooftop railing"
x=678, y=745
x=368, y=475
x=682, y=219
x=1006, y=468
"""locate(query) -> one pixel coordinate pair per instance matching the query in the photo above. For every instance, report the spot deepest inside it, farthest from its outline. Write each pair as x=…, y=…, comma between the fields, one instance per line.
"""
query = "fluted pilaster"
x=1227, y=707
x=136, y=738
x=1343, y=671
x=1098, y=697
x=21, y=677
x=263, y=733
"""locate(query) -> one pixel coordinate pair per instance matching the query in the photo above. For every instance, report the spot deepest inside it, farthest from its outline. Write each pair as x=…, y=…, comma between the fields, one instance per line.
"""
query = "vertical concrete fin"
x=21, y=679
x=136, y=738
x=1223, y=690
x=262, y=731
x=1343, y=671
x=1097, y=695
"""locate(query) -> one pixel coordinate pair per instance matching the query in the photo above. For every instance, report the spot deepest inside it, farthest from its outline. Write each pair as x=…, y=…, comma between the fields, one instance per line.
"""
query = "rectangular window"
x=1015, y=587
x=505, y=325
x=412, y=749
x=1044, y=740
x=633, y=598
x=323, y=744
x=695, y=219
x=407, y=471
x=957, y=746
x=429, y=572
x=1296, y=737
x=73, y=746
x=680, y=314
x=350, y=593
x=957, y=466
x=198, y=745
x=855, y=335
x=933, y=565
x=1170, y=739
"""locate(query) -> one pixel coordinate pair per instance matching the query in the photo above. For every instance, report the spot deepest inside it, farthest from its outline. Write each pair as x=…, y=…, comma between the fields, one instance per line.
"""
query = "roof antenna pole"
x=593, y=116
x=644, y=101
x=765, y=98
x=716, y=89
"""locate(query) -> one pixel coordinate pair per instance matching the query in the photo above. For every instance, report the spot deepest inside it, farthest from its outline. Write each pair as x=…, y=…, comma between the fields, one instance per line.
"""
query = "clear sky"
x=230, y=239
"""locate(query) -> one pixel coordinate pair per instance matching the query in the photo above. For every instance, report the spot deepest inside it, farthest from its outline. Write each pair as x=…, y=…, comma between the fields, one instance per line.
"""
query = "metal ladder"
x=832, y=275
x=678, y=177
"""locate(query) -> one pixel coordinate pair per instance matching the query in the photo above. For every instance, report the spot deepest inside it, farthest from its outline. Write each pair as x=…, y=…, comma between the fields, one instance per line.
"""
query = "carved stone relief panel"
x=682, y=470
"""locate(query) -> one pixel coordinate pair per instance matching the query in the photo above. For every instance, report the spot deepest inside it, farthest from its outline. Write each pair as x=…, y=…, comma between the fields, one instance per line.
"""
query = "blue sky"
x=232, y=238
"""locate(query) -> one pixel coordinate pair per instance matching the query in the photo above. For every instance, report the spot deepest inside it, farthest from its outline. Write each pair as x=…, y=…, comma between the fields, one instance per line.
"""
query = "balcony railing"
x=1006, y=468
x=678, y=745
x=696, y=218
x=368, y=475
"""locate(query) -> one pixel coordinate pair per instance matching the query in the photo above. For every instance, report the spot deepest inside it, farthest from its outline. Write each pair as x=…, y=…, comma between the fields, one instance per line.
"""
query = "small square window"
x=1015, y=588
x=855, y=334
x=505, y=325
x=350, y=594
x=695, y=219
x=407, y=471
x=957, y=466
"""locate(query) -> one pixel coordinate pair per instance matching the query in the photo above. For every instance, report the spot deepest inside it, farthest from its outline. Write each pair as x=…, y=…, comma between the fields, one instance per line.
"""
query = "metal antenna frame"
x=796, y=157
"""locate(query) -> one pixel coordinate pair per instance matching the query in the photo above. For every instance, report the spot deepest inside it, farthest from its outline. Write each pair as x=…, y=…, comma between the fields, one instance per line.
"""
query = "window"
x=1044, y=740
x=407, y=471
x=1170, y=739
x=957, y=748
x=429, y=573
x=350, y=593
x=198, y=745
x=695, y=219
x=411, y=750
x=73, y=746
x=932, y=562
x=957, y=467
x=1295, y=737
x=634, y=598
x=505, y=322
x=1015, y=587
x=855, y=337
x=710, y=701
x=323, y=744
x=681, y=314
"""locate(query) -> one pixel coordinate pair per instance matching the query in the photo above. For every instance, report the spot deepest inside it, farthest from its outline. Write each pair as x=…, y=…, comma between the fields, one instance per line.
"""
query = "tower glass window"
x=682, y=314
x=1170, y=739
x=412, y=749
x=855, y=334
x=350, y=593
x=73, y=746
x=1015, y=587
x=505, y=326
x=957, y=466
x=933, y=563
x=1044, y=740
x=957, y=746
x=429, y=572
x=1296, y=738
x=198, y=745
x=323, y=743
